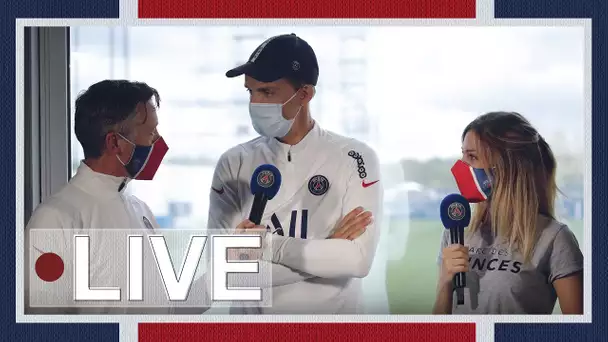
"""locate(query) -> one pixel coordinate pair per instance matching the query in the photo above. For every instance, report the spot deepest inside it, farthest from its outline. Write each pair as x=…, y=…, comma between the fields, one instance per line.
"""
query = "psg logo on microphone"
x=265, y=179
x=456, y=211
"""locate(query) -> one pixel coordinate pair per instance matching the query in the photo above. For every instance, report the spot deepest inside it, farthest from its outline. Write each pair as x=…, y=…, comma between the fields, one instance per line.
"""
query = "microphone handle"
x=257, y=209
x=463, y=276
x=459, y=282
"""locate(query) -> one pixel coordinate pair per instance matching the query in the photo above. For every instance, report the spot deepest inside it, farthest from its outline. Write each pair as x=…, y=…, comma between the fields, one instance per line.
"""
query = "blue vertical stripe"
x=598, y=11
x=10, y=12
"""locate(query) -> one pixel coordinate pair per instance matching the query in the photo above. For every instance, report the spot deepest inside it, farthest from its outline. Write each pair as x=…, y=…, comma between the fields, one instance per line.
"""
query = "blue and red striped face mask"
x=474, y=184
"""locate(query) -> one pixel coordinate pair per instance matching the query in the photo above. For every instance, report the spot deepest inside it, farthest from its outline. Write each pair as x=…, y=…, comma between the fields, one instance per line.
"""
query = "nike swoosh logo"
x=219, y=192
x=366, y=185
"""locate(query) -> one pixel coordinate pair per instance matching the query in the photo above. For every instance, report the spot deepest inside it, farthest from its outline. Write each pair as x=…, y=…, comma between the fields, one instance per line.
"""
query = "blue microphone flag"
x=455, y=211
x=266, y=179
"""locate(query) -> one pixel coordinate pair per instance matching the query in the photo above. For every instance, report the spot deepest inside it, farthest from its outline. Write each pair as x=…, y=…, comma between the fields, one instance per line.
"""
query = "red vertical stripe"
x=326, y=332
x=306, y=9
x=322, y=332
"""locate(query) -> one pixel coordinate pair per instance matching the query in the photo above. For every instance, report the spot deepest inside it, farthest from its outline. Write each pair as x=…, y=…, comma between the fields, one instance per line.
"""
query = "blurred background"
x=406, y=91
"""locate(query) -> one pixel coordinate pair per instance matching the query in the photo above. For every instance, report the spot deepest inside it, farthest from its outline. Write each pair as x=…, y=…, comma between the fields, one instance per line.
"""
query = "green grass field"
x=419, y=263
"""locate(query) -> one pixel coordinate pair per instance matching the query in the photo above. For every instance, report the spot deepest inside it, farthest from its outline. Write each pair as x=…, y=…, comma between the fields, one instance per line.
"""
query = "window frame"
x=47, y=154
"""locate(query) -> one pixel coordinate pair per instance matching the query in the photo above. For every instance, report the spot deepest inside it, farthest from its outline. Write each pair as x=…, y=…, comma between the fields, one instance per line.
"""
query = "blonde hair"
x=523, y=169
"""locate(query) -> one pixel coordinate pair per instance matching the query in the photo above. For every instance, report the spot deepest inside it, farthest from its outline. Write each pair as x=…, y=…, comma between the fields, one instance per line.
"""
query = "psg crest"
x=487, y=184
x=265, y=179
x=456, y=211
x=318, y=185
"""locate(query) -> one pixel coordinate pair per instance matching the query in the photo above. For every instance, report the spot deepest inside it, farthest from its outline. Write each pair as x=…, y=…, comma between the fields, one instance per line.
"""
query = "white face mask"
x=267, y=119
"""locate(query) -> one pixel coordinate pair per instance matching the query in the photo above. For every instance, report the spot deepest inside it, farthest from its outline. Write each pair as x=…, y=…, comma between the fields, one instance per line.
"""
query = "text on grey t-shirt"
x=498, y=281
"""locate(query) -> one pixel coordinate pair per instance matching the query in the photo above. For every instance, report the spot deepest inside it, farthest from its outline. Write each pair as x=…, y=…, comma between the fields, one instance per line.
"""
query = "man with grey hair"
x=116, y=124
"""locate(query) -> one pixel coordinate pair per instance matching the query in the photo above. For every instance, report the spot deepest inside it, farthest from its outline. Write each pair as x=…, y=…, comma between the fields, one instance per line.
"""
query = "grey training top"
x=498, y=282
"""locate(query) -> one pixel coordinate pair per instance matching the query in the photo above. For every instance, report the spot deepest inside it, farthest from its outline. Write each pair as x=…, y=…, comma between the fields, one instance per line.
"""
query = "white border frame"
x=128, y=323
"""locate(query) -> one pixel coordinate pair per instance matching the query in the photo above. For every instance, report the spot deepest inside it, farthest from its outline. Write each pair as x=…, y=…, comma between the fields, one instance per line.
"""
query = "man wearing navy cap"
x=323, y=235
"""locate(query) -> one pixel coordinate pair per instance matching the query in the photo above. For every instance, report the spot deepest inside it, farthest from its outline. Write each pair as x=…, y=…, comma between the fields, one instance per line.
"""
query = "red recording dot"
x=49, y=267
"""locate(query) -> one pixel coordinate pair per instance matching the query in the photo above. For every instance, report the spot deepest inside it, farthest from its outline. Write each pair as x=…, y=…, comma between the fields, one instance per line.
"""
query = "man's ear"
x=308, y=92
x=111, y=142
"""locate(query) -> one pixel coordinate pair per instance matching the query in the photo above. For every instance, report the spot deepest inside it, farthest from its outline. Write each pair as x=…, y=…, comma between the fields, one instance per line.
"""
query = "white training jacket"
x=324, y=177
x=89, y=204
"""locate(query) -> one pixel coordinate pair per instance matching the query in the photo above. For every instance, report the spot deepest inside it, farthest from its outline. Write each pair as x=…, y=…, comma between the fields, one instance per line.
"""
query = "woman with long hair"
x=517, y=257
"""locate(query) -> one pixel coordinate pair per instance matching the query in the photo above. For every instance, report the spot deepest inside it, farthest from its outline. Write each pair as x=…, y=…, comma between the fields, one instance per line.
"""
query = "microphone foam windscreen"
x=266, y=179
x=455, y=211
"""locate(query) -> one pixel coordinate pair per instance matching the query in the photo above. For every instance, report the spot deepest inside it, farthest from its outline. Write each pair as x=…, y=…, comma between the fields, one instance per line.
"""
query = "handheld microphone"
x=265, y=184
x=455, y=213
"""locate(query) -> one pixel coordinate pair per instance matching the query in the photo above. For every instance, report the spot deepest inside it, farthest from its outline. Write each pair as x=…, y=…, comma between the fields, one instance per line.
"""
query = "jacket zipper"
x=122, y=185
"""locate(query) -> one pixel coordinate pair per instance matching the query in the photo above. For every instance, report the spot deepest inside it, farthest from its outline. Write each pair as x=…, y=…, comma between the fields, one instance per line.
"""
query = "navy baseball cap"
x=284, y=56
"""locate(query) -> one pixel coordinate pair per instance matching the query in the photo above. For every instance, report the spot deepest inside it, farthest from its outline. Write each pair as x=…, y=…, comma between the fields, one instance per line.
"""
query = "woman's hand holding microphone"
x=455, y=259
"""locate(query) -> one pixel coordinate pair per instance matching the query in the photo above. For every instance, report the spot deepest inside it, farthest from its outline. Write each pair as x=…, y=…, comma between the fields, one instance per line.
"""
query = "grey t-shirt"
x=498, y=282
